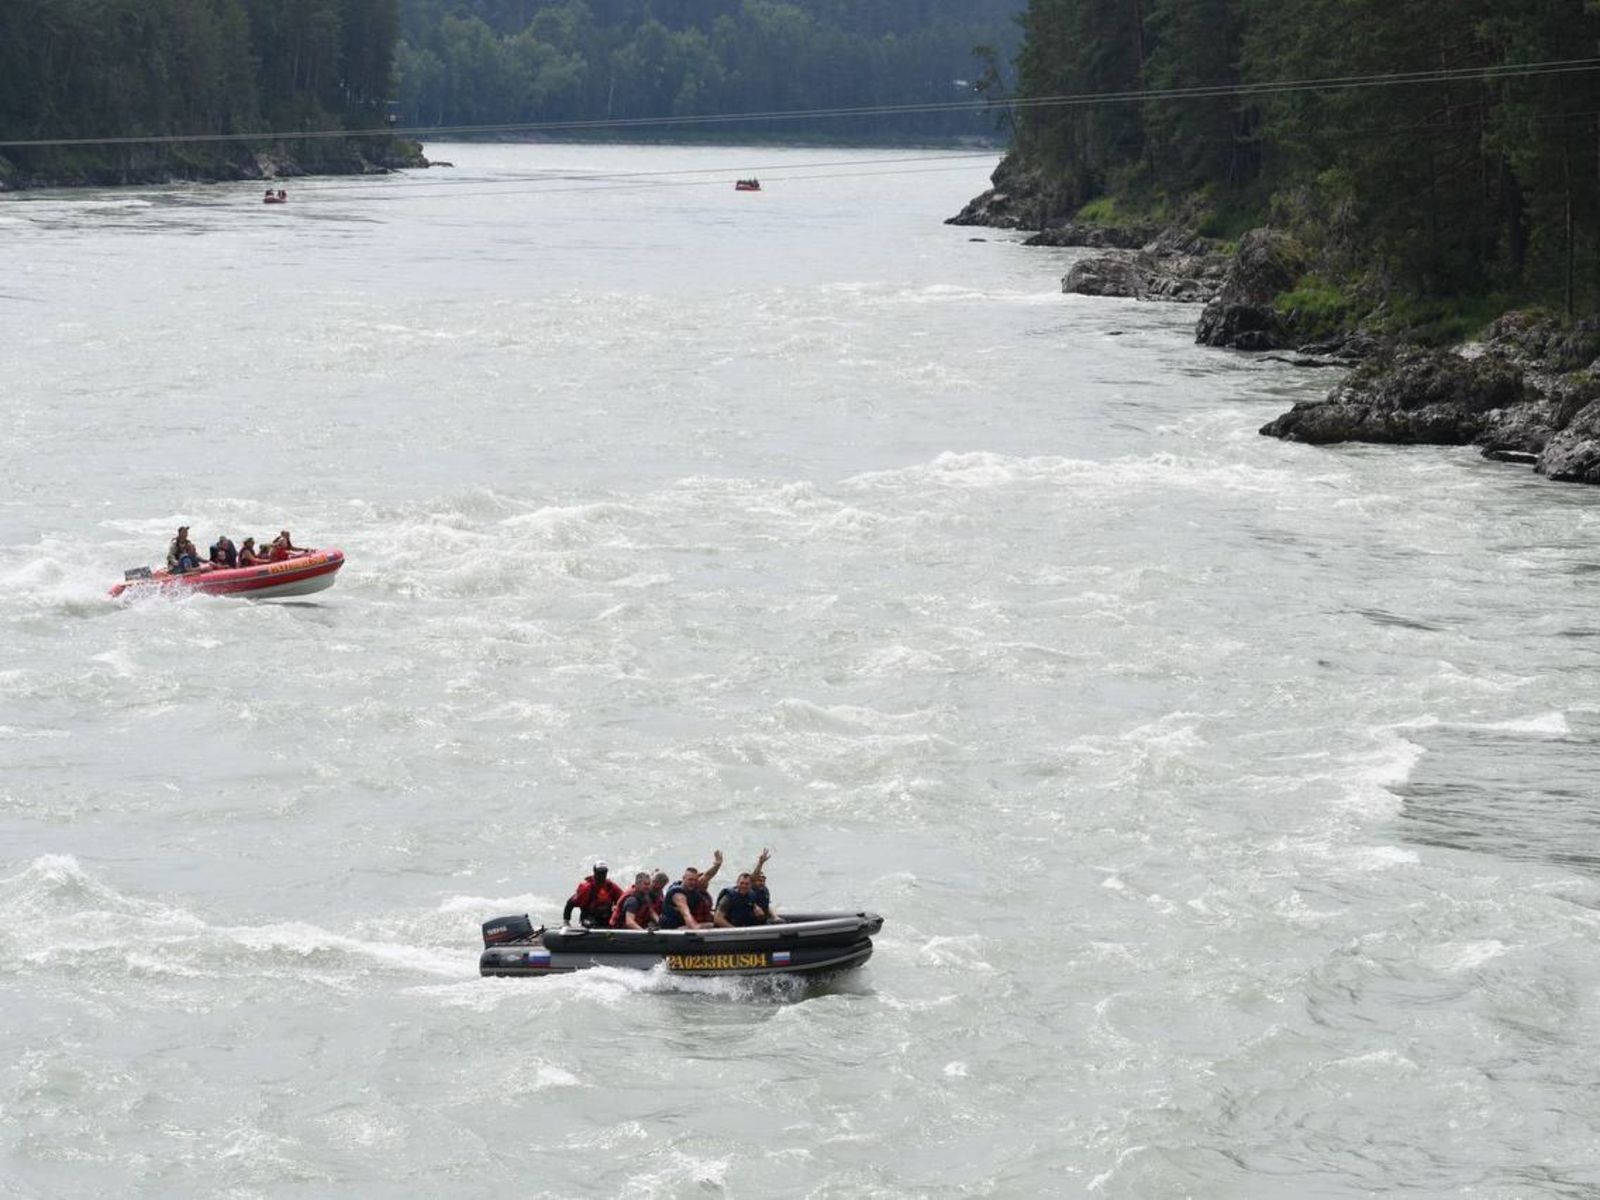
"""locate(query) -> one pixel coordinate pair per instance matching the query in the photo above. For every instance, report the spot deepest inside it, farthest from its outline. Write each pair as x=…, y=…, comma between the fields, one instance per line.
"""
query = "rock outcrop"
x=1096, y=237
x=1176, y=265
x=1411, y=396
x=1573, y=453
x=1539, y=342
x=1019, y=199
x=1514, y=394
x=1242, y=314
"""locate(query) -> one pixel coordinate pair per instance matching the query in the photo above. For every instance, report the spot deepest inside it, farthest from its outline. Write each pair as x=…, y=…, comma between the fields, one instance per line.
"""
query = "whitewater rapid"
x=1229, y=802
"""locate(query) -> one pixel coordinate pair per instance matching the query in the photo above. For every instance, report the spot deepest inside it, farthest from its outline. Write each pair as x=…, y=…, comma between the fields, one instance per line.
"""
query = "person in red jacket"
x=635, y=910
x=594, y=898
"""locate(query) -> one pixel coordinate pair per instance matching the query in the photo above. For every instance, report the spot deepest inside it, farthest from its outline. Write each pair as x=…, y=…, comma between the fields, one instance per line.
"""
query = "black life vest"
x=740, y=910
x=699, y=906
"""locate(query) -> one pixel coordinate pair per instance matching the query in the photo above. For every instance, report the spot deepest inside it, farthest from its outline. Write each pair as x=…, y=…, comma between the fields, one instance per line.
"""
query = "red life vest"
x=646, y=911
x=596, y=900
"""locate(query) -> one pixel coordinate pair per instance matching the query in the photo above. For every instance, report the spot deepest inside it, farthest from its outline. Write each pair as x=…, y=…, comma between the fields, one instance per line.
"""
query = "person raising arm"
x=759, y=893
x=686, y=903
x=716, y=865
x=736, y=907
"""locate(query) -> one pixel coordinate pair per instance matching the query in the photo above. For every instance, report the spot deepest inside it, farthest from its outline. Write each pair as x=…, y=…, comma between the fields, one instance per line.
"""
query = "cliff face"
x=1021, y=198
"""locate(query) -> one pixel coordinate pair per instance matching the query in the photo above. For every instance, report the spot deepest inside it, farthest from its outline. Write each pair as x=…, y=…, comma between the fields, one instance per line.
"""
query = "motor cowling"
x=507, y=929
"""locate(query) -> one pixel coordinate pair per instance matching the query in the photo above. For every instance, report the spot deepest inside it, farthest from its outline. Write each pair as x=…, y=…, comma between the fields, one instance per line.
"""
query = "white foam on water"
x=17, y=734
x=850, y=719
x=1099, y=480
x=119, y=660
x=1455, y=957
x=527, y=902
x=53, y=912
x=954, y=952
x=308, y=942
x=1552, y=724
x=675, y=1173
x=1369, y=779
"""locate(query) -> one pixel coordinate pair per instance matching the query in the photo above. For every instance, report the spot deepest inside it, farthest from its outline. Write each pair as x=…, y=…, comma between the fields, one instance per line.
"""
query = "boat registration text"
x=714, y=962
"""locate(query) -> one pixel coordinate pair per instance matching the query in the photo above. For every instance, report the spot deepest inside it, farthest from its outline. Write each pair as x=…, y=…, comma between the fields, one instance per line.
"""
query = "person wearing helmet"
x=594, y=898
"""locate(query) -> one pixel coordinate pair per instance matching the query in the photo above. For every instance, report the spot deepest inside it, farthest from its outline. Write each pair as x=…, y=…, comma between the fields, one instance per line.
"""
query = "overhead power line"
x=1508, y=71
x=720, y=173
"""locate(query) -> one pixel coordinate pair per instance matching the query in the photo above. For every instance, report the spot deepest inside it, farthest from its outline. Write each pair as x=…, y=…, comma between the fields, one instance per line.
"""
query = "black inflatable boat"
x=807, y=943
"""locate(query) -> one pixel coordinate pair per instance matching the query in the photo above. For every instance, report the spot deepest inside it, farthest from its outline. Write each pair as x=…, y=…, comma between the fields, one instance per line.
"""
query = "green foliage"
x=1442, y=321
x=1102, y=211
x=100, y=68
x=1317, y=306
x=528, y=61
x=1451, y=192
x=1124, y=209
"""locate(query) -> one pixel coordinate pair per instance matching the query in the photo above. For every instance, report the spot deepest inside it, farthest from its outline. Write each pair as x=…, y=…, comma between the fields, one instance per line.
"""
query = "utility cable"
x=1506, y=71
x=578, y=175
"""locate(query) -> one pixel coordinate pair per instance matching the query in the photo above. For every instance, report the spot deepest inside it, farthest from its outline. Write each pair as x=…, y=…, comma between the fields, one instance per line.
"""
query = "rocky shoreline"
x=142, y=165
x=1527, y=393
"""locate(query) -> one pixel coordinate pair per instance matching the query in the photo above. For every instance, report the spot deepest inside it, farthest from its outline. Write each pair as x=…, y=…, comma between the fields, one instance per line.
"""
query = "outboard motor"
x=508, y=929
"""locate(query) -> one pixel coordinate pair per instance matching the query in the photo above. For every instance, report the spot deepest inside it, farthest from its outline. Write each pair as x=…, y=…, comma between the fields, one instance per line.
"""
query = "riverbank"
x=130, y=165
x=1524, y=385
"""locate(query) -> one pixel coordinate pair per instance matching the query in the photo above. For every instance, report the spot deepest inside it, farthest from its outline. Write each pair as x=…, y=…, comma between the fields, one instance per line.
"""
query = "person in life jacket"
x=635, y=910
x=737, y=907
x=758, y=888
x=181, y=554
x=283, y=546
x=594, y=898
x=687, y=902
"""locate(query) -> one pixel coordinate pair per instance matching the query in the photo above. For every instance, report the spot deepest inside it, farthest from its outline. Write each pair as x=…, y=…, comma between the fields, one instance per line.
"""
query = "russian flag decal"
x=538, y=958
x=780, y=958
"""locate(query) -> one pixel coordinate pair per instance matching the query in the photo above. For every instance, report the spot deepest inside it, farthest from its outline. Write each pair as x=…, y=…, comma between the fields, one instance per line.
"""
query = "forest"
x=152, y=68
x=500, y=61
x=1481, y=188
x=142, y=68
x=83, y=68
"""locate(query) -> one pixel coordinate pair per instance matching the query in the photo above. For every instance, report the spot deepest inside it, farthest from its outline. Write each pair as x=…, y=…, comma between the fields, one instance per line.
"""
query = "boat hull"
x=302, y=576
x=815, y=945
x=509, y=961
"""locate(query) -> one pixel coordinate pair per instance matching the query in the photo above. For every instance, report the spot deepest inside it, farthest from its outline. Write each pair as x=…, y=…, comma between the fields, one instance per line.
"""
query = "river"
x=1231, y=804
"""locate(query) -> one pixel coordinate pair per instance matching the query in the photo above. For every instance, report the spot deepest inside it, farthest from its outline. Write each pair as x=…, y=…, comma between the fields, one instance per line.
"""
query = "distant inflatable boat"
x=301, y=575
x=747, y=185
x=805, y=944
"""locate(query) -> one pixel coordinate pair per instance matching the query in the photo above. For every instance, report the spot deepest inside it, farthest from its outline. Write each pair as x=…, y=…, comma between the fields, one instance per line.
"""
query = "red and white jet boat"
x=298, y=575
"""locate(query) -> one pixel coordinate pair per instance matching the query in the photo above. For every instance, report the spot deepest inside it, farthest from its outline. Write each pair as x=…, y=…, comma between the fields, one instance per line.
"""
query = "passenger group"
x=654, y=903
x=182, y=556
